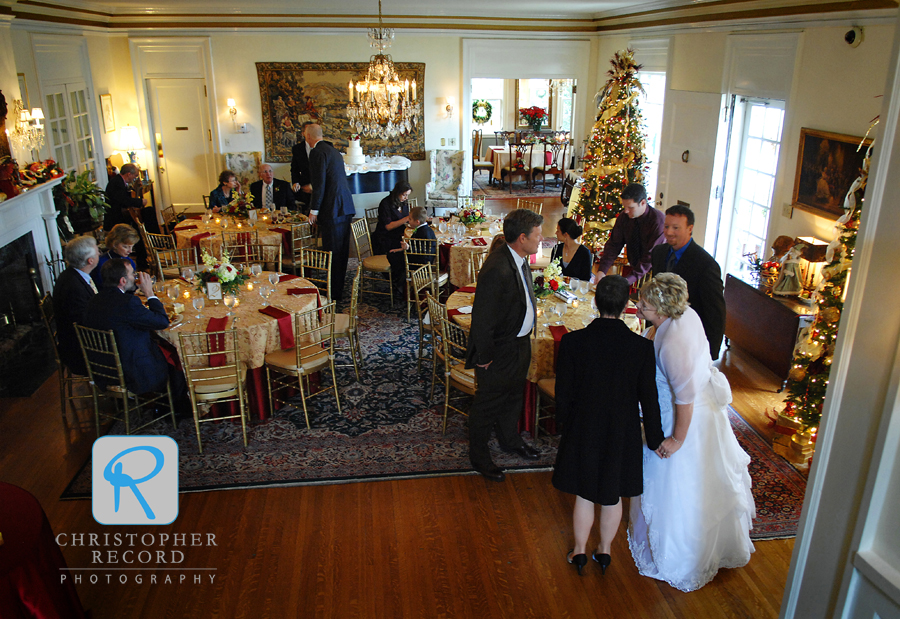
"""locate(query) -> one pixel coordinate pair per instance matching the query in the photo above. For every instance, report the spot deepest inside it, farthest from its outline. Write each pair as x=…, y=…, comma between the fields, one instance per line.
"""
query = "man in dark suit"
x=116, y=308
x=499, y=349
x=682, y=256
x=300, y=170
x=331, y=204
x=74, y=289
x=123, y=209
x=270, y=192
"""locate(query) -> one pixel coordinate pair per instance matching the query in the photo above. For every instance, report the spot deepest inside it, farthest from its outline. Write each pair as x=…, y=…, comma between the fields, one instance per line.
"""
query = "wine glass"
x=256, y=270
x=274, y=278
x=173, y=292
x=561, y=308
x=574, y=285
x=229, y=299
x=199, y=301
x=268, y=292
x=187, y=273
x=585, y=288
x=442, y=227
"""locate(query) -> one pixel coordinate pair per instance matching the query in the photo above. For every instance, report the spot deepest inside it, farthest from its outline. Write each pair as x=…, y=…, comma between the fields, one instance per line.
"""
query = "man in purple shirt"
x=639, y=228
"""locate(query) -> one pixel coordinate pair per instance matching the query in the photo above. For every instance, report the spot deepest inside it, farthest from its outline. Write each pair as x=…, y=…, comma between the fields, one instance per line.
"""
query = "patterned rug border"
x=480, y=187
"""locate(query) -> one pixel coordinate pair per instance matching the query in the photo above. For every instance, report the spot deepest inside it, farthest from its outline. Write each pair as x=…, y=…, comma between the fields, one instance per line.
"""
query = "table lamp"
x=130, y=141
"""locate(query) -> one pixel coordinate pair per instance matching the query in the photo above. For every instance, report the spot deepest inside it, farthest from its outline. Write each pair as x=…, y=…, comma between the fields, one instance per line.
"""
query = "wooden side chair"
x=68, y=382
x=170, y=262
x=437, y=312
x=456, y=376
x=479, y=165
x=315, y=265
x=531, y=205
x=346, y=326
x=417, y=253
x=107, y=379
x=519, y=164
x=370, y=263
x=215, y=375
x=554, y=163
x=313, y=352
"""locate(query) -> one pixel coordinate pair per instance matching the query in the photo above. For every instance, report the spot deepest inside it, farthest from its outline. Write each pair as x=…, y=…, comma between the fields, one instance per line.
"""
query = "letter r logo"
x=135, y=480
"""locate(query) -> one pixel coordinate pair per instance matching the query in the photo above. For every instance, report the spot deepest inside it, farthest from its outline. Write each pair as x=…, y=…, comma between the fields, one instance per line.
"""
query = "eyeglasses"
x=644, y=307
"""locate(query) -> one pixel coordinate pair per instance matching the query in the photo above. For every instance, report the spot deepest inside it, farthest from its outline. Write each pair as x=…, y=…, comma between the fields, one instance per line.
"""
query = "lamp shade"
x=230, y=103
x=37, y=113
x=130, y=139
x=814, y=250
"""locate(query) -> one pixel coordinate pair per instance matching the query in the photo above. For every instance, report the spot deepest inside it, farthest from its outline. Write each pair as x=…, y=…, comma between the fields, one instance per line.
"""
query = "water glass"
x=173, y=292
x=256, y=270
x=561, y=308
x=199, y=301
x=229, y=300
x=187, y=273
x=274, y=278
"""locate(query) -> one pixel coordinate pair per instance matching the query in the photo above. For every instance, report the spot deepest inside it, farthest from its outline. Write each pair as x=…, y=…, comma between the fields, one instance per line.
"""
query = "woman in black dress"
x=602, y=373
x=393, y=215
x=574, y=258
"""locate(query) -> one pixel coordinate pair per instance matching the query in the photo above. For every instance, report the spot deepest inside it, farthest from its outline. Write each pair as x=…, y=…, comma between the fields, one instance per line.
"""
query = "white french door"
x=68, y=123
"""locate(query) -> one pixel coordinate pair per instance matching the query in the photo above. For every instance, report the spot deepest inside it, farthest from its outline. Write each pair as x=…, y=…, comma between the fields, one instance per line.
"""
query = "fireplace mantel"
x=33, y=211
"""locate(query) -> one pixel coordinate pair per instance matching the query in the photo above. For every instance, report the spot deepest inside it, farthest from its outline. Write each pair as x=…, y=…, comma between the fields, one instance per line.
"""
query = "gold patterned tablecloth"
x=542, y=344
x=458, y=263
x=213, y=244
x=258, y=334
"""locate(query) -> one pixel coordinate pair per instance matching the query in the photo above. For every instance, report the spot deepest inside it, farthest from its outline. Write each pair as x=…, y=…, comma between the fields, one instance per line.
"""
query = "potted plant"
x=81, y=202
x=534, y=116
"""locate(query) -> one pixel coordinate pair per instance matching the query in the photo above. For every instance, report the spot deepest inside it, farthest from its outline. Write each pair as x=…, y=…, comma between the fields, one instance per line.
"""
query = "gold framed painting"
x=293, y=93
x=827, y=165
x=106, y=113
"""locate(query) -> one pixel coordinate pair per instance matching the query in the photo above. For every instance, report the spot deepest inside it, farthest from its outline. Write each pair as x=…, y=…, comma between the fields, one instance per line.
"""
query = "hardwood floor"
x=444, y=547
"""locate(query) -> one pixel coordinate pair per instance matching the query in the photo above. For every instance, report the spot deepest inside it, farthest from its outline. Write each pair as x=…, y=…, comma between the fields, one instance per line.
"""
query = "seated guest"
x=499, y=241
x=222, y=195
x=271, y=193
x=418, y=220
x=393, y=215
x=123, y=209
x=74, y=289
x=574, y=258
x=119, y=243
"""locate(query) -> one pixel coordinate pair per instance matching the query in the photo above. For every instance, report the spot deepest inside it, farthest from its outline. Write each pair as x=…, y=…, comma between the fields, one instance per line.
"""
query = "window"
x=491, y=90
x=651, y=106
x=69, y=127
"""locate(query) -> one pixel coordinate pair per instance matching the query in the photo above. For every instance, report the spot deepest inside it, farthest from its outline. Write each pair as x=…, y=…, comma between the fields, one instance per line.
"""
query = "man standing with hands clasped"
x=503, y=316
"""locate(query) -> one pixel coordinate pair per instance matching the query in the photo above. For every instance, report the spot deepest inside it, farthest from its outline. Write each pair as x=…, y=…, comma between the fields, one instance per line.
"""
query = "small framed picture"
x=106, y=111
x=214, y=291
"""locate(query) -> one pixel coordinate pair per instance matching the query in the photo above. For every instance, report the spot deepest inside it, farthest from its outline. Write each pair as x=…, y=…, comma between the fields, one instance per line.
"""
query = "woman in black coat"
x=393, y=215
x=602, y=373
x=574, y=258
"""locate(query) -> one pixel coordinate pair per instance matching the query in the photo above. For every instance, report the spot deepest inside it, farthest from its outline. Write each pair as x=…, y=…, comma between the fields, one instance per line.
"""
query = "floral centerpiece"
x=221, y=272
x=472, y=216
x=240, y=204
x=534, y=116
x=550, y=281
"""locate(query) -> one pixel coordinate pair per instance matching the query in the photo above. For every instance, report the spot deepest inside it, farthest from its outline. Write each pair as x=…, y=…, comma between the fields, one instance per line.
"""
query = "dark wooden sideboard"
x=766, y=327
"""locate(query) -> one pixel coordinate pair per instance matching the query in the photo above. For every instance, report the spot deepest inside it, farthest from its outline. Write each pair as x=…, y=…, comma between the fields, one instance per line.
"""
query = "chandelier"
x=27, y=132
x=382, y=106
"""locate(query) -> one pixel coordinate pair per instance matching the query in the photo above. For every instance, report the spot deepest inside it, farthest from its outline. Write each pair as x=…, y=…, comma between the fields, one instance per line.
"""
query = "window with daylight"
x=490, y=90
x=651, y=106
x=69, y=127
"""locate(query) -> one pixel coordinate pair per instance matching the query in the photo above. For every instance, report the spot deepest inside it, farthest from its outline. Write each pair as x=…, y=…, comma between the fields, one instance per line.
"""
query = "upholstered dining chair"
x=370, y=263
x=554, y=163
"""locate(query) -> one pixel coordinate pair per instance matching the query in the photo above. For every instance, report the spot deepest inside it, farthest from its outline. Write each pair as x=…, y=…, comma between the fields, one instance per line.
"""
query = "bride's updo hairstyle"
x=667, y=293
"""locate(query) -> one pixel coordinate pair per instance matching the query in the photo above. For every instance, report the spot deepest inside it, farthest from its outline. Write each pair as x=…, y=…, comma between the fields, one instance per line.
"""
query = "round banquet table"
x=258, y=334
x=454, y=251
x=269, y=233
x=31, y=564
x=545, y=341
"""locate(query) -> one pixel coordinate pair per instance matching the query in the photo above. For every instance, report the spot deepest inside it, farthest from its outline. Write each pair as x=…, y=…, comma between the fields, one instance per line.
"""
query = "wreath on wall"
x=481, y=111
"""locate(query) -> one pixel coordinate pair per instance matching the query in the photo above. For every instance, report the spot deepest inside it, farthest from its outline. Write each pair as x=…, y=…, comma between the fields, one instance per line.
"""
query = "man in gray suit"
x=331, y=204
x=503, y=316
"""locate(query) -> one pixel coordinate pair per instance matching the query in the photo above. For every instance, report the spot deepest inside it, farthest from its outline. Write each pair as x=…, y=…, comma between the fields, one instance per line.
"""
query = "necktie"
x=670, y=262
x=269, y=200
x=93, y=285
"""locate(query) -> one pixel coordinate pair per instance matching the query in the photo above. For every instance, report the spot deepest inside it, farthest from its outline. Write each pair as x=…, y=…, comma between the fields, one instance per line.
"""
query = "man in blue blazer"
x=74, y=290
x=503, y=316
x=331, y=204
x=116, y=308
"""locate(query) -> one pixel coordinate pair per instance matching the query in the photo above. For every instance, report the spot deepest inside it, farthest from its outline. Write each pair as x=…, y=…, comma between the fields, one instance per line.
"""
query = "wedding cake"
x=354, y=154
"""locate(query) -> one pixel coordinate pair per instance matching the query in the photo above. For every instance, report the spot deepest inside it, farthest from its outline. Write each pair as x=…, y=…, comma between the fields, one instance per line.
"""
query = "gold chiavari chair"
x=302, y=236
x=169, y=218
x=170, y=262
x=346, y=326
x=531, y=205
x=456, y=376
x=369, y=262
x=215, y=374
x=313, y=352
x=413, y=202
x=475, y=262
x=421, y=284
x=315, y=265
x=545, y=407
x=68, y=382
x=437, y=312
x=107, y=379
x=268, y=255
x=235, y=243
x=417, y=253
x=372, y=218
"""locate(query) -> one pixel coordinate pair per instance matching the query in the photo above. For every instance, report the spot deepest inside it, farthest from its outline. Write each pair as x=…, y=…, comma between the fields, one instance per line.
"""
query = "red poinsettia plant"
x=533, y=113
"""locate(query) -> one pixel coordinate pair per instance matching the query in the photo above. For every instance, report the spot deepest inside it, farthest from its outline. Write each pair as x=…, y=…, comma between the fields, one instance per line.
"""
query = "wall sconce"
x=811, y=259
x=233, y=111
x=449, y=107
x=130, y=141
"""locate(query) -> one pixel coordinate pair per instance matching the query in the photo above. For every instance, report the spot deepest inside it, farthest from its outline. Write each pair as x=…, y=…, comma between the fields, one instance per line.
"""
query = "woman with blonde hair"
x=120, y=242
x=697, y=510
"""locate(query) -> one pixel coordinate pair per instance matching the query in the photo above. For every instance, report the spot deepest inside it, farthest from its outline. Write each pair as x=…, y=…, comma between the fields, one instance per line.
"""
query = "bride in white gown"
x=697, y=510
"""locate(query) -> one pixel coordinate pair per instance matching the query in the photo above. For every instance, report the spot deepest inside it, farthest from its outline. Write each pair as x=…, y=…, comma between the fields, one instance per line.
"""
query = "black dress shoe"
x=526, y=451
x=491, y=472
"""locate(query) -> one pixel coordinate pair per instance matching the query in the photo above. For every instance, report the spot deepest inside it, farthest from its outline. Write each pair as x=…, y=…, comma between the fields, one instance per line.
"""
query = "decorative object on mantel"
x=808, y=378
x=827, y=163
x=614, y=156
x=383, y=106
x=40, y=172
x=295, y=92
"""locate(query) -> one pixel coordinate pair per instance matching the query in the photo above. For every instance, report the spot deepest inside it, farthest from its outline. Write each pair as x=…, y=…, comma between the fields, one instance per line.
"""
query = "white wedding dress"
x=697, y=510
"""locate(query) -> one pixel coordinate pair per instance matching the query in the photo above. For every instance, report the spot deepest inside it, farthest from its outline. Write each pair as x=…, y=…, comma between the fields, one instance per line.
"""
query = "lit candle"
x=237, y=302
x=575, y=304
x=250, y=286
x=239, y=224
x=187, y=294
x=218, y=221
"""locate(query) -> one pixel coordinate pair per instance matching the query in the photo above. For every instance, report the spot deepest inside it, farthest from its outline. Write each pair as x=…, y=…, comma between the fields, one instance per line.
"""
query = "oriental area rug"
x=388, y=428
x=520, y=189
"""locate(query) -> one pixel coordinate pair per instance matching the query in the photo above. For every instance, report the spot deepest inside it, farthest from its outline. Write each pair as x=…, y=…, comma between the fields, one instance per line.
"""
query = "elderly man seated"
x=270, y=192
x=74, y=290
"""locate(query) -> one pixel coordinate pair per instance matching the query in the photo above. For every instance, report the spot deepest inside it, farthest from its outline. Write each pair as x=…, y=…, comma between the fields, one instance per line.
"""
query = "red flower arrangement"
x=533, y=113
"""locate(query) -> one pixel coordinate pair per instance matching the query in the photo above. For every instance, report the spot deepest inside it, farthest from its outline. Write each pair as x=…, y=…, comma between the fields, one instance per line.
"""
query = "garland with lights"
x=808, y=378
x=481, y=111
x=614, y=154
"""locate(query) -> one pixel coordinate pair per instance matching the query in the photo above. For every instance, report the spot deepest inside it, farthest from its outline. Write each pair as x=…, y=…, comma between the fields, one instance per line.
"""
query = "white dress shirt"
x=528, y=323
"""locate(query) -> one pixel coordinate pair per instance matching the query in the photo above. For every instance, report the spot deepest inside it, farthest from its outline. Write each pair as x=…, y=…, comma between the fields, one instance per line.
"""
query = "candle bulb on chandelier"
x=414, y=90
x=350, y=91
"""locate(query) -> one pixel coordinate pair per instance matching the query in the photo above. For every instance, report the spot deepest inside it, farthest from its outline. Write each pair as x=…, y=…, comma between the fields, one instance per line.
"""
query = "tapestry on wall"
x=293, y=93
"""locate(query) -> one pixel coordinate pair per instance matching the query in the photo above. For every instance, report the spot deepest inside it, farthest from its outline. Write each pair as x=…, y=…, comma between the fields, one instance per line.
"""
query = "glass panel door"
x=69, y=127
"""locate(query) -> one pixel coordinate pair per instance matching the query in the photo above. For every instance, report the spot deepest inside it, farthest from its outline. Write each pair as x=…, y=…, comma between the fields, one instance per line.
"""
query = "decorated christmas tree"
x=808, y=378
x=614, y=154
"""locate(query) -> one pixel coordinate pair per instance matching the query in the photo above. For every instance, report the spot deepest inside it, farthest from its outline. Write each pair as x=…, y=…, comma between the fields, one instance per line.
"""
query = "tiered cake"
x=354, y=154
